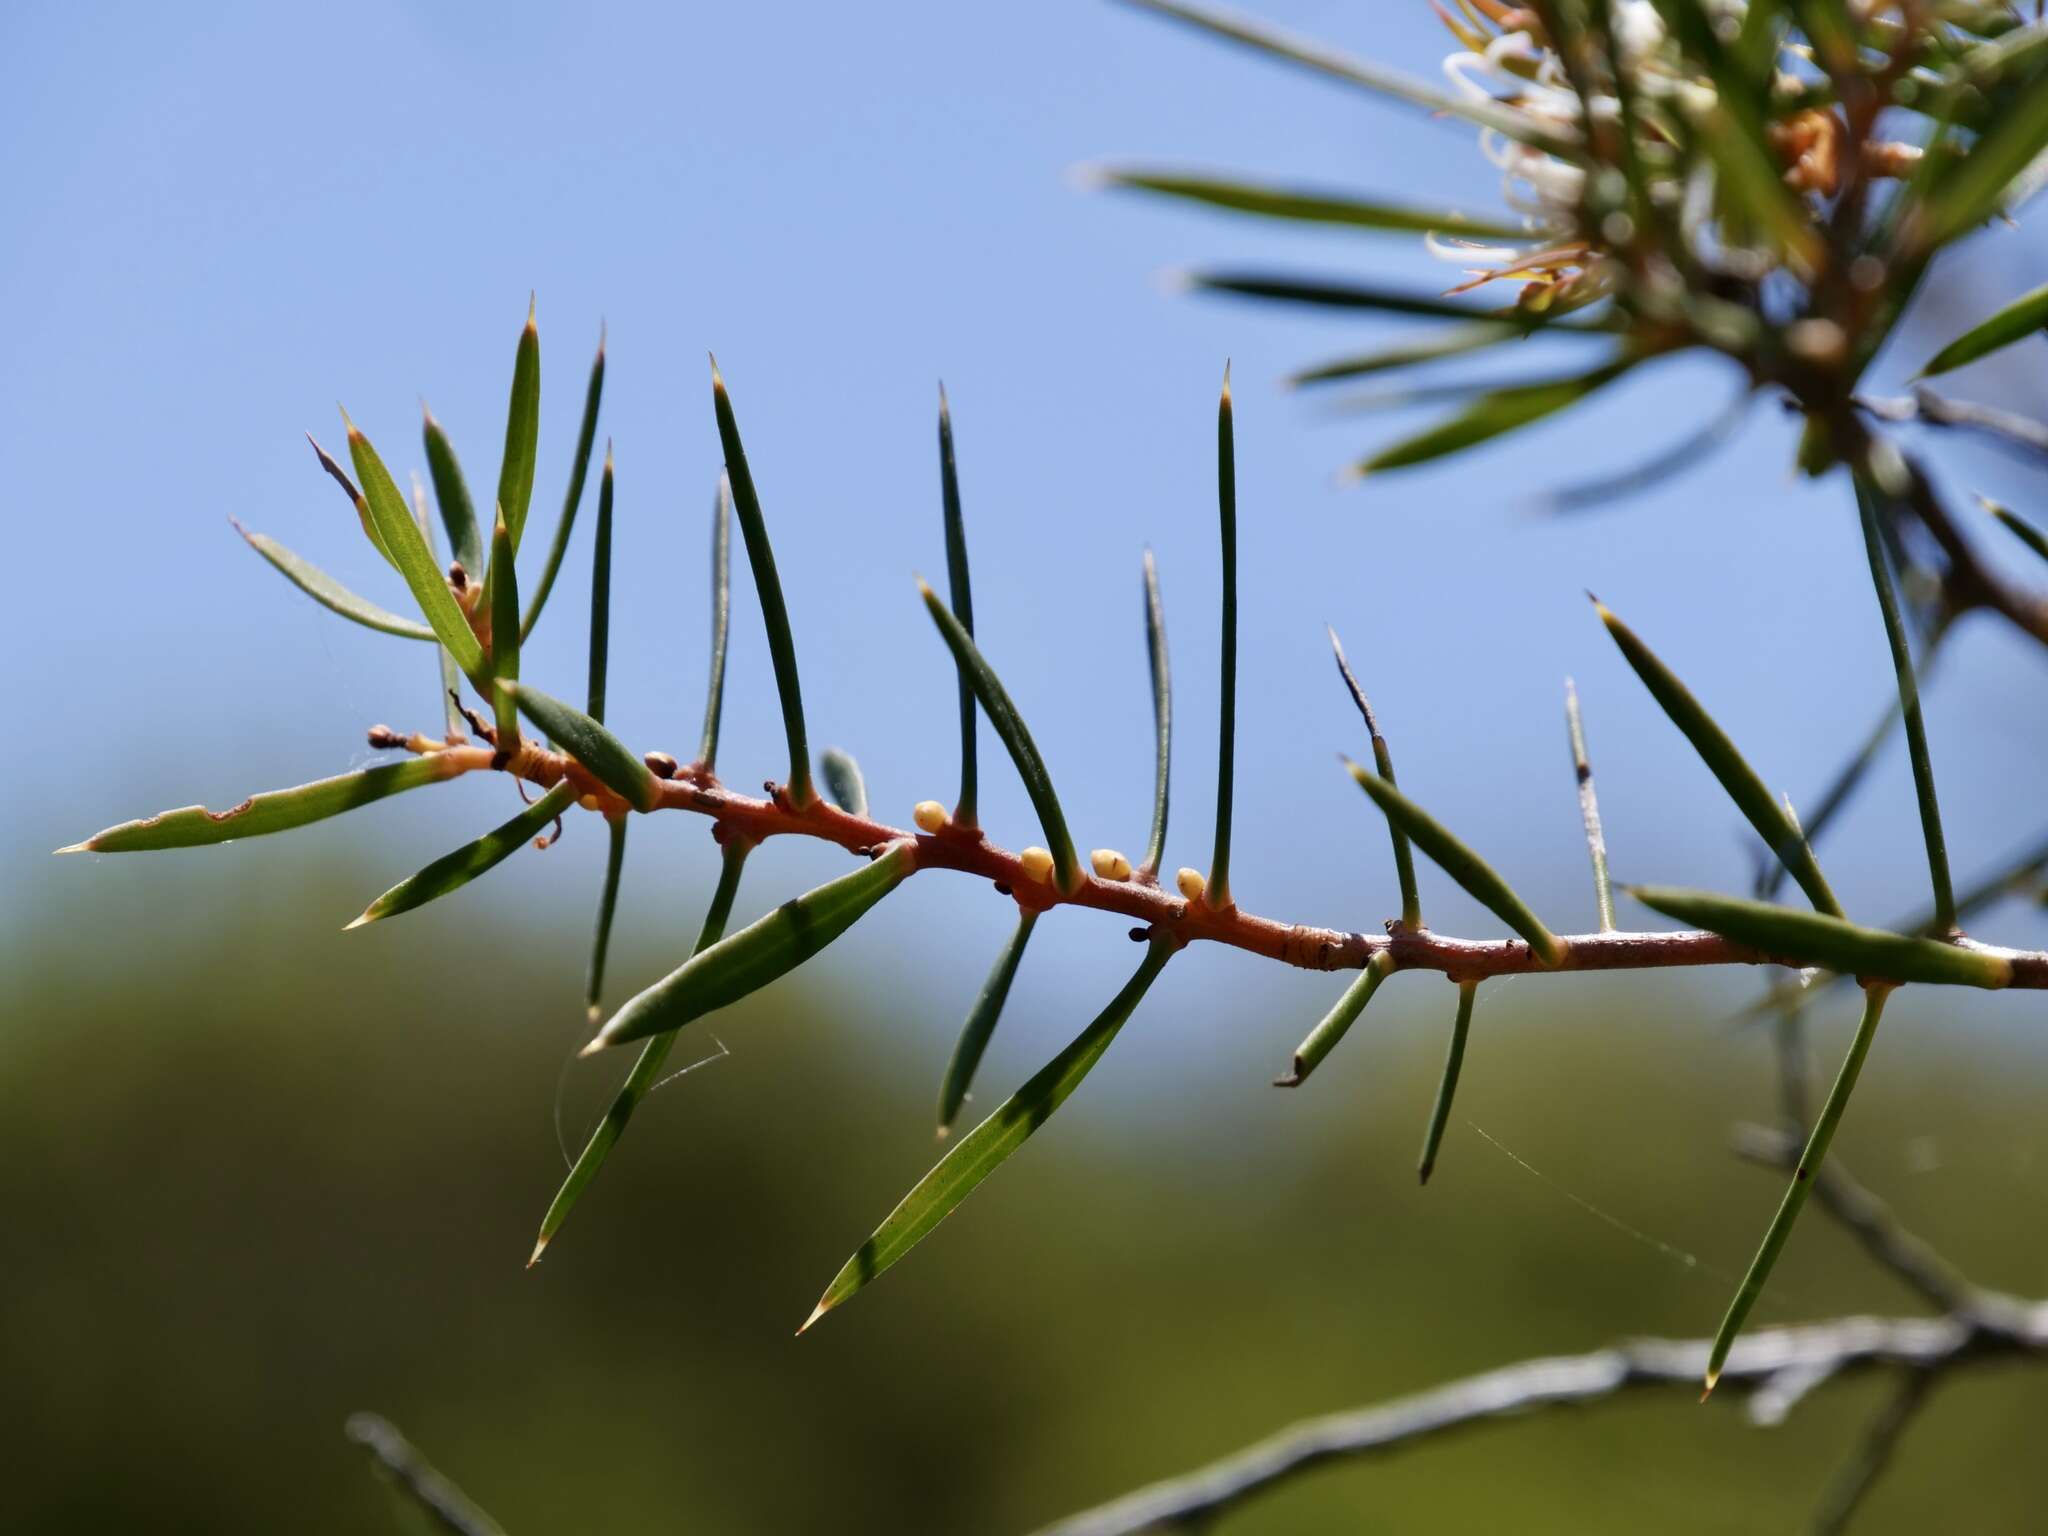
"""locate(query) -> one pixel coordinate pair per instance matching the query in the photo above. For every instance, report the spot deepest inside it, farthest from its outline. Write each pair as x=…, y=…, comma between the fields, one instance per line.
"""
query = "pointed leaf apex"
x=532, y=310
x=945, y=407
x=359, y=922
x=924, y=590
x=538, y=1249
x=84, y=847
x=1226, y=381
x=603, y=334
x=607, y=455
x=597, y=1043
x=717, y=378
x=816, y=1313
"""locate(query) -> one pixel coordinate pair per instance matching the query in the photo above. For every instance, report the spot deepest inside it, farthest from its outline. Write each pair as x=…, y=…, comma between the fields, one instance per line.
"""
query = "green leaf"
x=982, y=1150
x=407, y=547
x=1909, y=704
x=1810, y=1161
x=328, y=592
x=1333, y=1025
x=1813, y=938
x=1491, y=415
x=1440, y=1115
x=502, y=583
x=1339, y=294
x=1461, y=864
x=961, y=589
x=721, y=622
x=1310, y=207
x=646, y=1073
x=1971, y=192
x=2023, y=317
x=762, y=952
x=579, y=469
x=981, y=1022
x=1447, y=341
x=1383, y=761
x=522, y=431
x=279, y=810
x=450, y=674
x=1011, y=731
x=768, y=588
x=348, y=488
x=1786, y=842
x=843, y=782
x=453, y=871
x=610, y=760
x=1379, y=80
x=2018, y=527
x=607, y=909
x=600, y=595
x=1162, y=715
x=1217, y=892
x=451, y=494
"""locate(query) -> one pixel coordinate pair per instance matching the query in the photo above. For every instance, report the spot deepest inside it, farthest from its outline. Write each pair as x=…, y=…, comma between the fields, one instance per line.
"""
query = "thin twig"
x=1880, y=1441
x=408, y=1472
x=1827, y=1350
x=1925, y=406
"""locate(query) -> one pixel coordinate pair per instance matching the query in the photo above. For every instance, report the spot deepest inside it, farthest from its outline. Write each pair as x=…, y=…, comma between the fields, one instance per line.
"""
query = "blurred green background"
x=259, y=1175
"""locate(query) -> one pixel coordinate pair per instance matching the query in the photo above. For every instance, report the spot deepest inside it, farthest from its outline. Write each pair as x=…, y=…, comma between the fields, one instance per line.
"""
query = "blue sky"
x=220, y=228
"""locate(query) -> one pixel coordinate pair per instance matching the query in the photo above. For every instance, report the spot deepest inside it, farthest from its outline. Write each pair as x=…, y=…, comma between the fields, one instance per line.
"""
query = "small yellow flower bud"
x=588, y=802
x=930, y=816
x=1193, y=884
x=1110, y=864
x=1037, y=864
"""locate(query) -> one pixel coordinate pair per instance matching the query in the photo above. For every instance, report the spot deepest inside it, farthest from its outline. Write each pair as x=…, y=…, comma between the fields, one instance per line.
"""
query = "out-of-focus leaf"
x=1454, y=1061
x=451, y=493
x=721, y=622
x=1307, y=206
x=607, y=909
x=610, y=760
x=646, y=1073
x=1814, y=938
x=982, y=1150
x=1477, y=877
x=328, y=592
x=843, y=781
x=1974, y=190
x=502, y=582
x=579, y=469
x=762, y=952
x=278, y=810
x=407, y=547
x=768, y=588
x=2025, y=316
x=1383, y=761
x=960, y=588
x=2018, y=527
x=981, y=1022
x=453, y=871
x=1492, y=414
x=522, y=431
x=1333, y=1025
x=1162, y=715
x=1011, y=731
x=1447, y=341
x=1786, y=842
x=1337, y=293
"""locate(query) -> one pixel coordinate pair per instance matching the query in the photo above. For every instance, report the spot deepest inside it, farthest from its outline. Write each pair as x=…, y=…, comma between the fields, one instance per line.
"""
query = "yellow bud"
x=1037, y=864
x=1192, y=884
x=930, y=816
x=1110, y=864
x=588, y=802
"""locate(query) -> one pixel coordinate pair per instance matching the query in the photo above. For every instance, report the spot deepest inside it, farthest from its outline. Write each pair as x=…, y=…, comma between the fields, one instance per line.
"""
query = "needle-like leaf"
x=610, y=760
x=1340, y=293
x=1461, y=864
x=1967, y=194
x=1383, y=760
x=849, y=791
x=1445, y=341
x=453, y=871
x=2025, y=316
x=502, y=582
x=1727, y=764
x=960, y=588
x=2018, y=527
x=721, y=622
x=348, y=488
x=1011, y=731
x=1306, y=206
x=1217, y=893
x=522, y=431
x=1909, y=705
x=579, y=469
x=1440, y=1115
x=1815, y=938
x=1589, y=808
x=762, y=952
x=607, y=908
x=278, y=810
x=646, y=1072
x=767, y=587
x=407, y=547
x=451, y=493
x=1333, y=1025
x=601, y=595
x=1379, y=80
x=1493, y=414
x=1162, y=715
x=450, y=674
x=982, y=1150
x=328, y=592
x=1803, y=1176
x=981, y=1022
